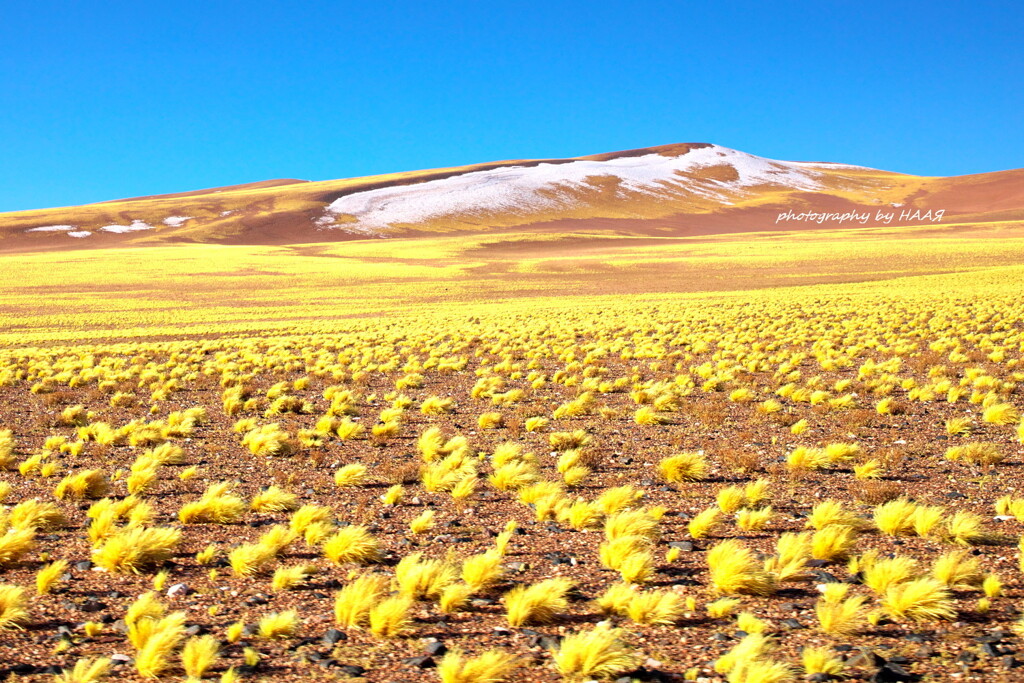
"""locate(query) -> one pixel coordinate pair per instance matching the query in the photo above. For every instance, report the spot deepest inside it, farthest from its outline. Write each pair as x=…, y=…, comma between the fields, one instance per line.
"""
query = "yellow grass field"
x=532, y=456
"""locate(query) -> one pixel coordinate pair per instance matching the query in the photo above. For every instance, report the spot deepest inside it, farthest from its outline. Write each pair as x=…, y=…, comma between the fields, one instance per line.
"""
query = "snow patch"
x=226, y=213
x=135, y=226
x=176, y=221
x=51, y=228
x=79, y=233
x=552, y=186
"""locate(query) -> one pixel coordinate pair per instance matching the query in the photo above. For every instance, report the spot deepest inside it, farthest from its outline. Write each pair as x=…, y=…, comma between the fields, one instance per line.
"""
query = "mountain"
x=673, y=190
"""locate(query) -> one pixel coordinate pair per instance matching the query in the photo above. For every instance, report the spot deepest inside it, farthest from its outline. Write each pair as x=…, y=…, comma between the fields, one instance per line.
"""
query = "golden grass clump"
x=353, y=602
x=1001, y=414
x=279, y=625
x=844, y=617
x=353, y=474
x=490, y=666
x=49, y=575
x=424, y=578
x=881, y=574
x=156, y=640
x=976, y=453
x=480, y=572
x=390, y=617
x=85, y=670
x=831, y=512
x=595, y=653
x=966, y=528
x=753, y=520
x=539, y=603
x=704, y=522
x=274, y=499
x=821, y=660
x=924, y=599
x=683, y=467
x=895, y=518
x=198, y=655
x=490, y=421
x=736, y=571
x=958, y=569
x=36, y=515
x=833, y=543
x=13, y=607
x=750, y=649
x=808, y=458
x=656, y=607
x=730, y=499
x=352, y=544
x=15, y=543
x=216, y=506
x=136, y=549
x=86, y=484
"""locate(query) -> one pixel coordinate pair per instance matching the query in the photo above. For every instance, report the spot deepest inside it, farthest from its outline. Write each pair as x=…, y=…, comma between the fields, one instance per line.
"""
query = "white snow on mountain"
x=550, y=185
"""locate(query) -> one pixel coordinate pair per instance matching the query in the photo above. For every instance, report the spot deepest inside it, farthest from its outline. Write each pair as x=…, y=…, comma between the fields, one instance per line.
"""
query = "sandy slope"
x=674, y=190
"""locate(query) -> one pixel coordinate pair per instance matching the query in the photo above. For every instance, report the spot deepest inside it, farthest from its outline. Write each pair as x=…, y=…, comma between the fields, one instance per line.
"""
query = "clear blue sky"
x=101, y=99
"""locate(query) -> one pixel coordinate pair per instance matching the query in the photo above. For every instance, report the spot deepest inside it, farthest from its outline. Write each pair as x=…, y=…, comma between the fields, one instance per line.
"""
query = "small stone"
x=991, y=650
x=954, y=494
x=1009, y=662
x=194, y=630
x=258, y=599
x=823, y=577
x=92, y=605
x=967, y=657
x=720, y=637
x=866, y=659
x=924, y=652
x=819, y=678
x=120, y=626
x=917, y=637
x=178, y=589
x=789, y=607
x=516, y=566
x=333, y=636
x=352, y=670
x=891, y=673
x=250, y=630
x=83, y=565
x=120, y=659
x=791, y=624
x=421, y=662
x=685, y=546
x=435, y=648
x=817, y=564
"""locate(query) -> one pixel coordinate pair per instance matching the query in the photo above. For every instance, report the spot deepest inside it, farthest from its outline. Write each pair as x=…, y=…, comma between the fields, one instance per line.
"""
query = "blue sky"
x=101, y=100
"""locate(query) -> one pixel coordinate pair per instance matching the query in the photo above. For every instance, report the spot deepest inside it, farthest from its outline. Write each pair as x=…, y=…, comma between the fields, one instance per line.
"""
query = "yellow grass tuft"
x=424, y=578
x=161, y=638
x=704, y=522
x=215, y=506
x=833, y=543
x=490, y=666
x=924, y=599
x=841, y=617
x=735, y=570
x=482, y=571
x=198, y=655
x=352, y=544
x=15, y=543
x=353, y=474
x=596, y=653
x=537, y=604
x=49, y=575
x=881, y=574
x=895, y=518
x=820, y=660
x=86, y=484
x=274, y=499
x=976, y=453
x=353, y=602
x=135, y=549
x=279, y=625
x=423, y=522
x=390, y=617
x=13, y=607
x=86, y=670
x=656, y=607
x=683, y=467
x=957, y=569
